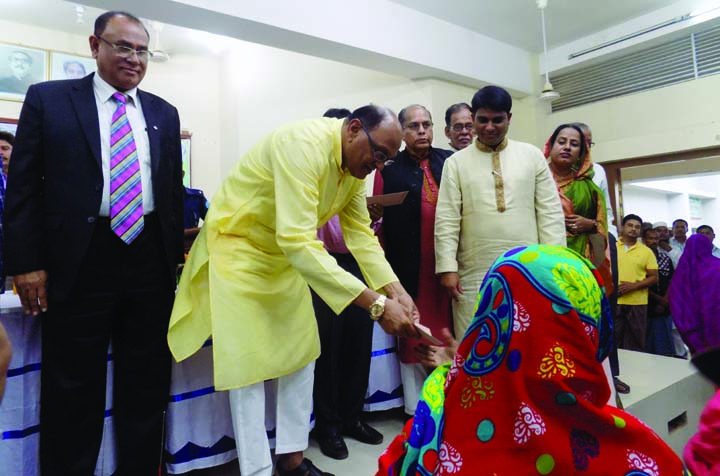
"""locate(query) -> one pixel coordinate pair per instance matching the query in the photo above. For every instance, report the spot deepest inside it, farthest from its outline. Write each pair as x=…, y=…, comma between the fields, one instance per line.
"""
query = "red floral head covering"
x=526, y=393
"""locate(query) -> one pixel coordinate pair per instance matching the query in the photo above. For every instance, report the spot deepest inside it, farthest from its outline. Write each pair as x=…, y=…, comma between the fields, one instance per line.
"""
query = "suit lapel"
x=153, y=123
x=82, y=96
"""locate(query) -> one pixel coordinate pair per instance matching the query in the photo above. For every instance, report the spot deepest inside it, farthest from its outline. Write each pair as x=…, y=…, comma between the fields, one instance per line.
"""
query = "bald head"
x=371, y=135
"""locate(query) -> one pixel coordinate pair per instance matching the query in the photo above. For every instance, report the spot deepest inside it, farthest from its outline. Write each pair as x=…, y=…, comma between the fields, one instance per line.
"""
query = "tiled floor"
x=361, y=462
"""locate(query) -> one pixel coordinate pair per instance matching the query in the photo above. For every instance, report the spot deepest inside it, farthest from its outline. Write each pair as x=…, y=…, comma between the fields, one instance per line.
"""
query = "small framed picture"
x=185, y=137
x=19, y=68
x=67, y=66
x=8, y=125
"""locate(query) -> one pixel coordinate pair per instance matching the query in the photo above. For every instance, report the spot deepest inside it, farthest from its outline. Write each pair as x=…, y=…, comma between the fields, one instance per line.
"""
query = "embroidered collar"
x=484, y=148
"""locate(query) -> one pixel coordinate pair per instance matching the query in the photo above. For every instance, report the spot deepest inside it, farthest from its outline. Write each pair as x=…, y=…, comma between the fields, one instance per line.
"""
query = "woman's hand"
x=576, y=224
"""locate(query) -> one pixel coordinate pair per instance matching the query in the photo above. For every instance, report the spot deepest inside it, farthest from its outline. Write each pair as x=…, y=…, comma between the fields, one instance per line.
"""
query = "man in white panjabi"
x=496, y=194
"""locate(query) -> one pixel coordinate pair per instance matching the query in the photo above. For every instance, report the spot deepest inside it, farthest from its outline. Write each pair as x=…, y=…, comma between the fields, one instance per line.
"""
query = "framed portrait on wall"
x=67, y=66
x=8, y=125
x=185, y=146
x=19, y=68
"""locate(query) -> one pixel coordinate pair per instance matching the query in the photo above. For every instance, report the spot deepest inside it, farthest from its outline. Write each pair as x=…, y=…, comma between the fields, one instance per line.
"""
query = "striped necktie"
x=126, y=208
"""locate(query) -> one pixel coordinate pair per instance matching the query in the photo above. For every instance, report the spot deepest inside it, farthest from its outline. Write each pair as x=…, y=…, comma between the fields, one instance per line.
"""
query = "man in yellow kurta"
x=496, y=194
x=246, y=279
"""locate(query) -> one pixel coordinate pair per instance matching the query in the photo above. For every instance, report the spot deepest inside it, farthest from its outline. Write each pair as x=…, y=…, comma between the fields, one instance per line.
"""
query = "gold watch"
x=377, y=308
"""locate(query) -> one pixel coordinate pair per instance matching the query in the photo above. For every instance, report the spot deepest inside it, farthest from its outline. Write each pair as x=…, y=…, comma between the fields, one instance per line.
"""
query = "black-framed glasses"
x=126, y=51
x=462, y=127
x=378, y=154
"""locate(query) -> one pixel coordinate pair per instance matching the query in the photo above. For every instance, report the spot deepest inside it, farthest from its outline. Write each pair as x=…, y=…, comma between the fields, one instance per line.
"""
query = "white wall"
x=230, y=102
x=674, y=118
x=189, y=83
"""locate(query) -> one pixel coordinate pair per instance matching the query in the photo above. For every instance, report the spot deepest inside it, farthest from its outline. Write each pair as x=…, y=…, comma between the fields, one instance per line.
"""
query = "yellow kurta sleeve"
x=362, y=242
x=548, y=210
x=448, y=216
x=298, y=168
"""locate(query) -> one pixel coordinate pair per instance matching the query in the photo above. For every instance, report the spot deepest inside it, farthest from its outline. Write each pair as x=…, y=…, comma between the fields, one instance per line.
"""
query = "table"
x=199, y=426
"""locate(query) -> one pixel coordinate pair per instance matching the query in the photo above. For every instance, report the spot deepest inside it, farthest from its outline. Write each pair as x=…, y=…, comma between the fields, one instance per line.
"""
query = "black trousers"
x=121, y=295
x=343, y=368
x=614, y=361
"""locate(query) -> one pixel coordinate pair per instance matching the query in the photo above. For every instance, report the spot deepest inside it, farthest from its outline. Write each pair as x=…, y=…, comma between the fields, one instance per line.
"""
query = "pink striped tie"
x=126, y=209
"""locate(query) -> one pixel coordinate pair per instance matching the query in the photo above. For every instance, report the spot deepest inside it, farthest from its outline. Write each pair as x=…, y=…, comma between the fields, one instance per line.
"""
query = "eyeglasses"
x=126, y=51
x=462, y=127
x=415, y=126
x=378, y=154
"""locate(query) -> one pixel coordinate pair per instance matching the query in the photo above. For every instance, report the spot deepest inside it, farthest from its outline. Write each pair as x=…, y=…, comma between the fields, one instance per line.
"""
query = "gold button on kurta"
x=246, y=279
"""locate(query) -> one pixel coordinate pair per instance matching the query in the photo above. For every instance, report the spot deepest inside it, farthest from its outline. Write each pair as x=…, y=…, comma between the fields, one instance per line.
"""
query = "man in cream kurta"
x=496, y=194
x=246, y=279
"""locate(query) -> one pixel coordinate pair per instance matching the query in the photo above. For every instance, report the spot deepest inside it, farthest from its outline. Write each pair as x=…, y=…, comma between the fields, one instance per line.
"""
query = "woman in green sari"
x=582, y=201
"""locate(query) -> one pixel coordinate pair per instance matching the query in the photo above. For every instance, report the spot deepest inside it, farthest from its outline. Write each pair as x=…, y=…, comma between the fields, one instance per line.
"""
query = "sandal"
x=620, y=386
x=306, y=468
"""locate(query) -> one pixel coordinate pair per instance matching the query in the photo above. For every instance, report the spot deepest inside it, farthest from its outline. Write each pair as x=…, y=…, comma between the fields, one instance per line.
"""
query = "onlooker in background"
x=600, y=179
x=645, y=226
x=6, y=146
x=459, y=125
x=695, y=306
x=7, y=139
x=637, y=268
x=495, y=195
x=679, y=231
x=662, y=230
x=664, y=246
x=659, y=325
x=710, y=233
x=677, y=241
x=409, y=236
x=93, y=228
x=582, y=201
x=343, y=368
x=196, y=207
x=74, y=70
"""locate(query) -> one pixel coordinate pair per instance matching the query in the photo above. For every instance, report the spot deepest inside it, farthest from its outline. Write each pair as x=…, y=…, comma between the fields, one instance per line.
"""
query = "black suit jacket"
x=401, y=223
x=55, y=181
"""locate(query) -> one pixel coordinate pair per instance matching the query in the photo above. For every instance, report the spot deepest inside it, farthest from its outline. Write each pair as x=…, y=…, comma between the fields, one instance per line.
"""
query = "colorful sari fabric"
x=526, y=391
x=580, y=196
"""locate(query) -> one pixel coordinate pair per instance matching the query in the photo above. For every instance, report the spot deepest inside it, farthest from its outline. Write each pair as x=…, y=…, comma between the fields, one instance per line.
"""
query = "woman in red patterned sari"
x=526, y=392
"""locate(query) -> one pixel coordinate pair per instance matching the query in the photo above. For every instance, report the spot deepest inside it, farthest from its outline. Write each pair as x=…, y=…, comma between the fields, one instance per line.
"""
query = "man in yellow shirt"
x=246, y=279
x=638, y=271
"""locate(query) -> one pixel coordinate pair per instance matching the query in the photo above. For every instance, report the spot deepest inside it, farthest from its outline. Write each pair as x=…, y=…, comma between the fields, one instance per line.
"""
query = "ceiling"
x=517, y=22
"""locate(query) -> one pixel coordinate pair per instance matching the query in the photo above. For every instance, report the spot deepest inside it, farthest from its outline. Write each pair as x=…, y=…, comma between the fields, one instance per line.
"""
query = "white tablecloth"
x=199, y=426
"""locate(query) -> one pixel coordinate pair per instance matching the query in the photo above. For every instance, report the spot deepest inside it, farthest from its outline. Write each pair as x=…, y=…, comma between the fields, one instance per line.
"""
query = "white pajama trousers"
x=284, y=403
x=413, y=378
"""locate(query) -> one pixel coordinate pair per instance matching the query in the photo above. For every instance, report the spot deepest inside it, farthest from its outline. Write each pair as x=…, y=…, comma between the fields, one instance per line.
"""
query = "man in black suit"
x=93, y=285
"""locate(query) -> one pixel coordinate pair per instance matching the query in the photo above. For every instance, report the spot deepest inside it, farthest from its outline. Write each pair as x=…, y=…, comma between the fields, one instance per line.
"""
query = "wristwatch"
x=377, y=308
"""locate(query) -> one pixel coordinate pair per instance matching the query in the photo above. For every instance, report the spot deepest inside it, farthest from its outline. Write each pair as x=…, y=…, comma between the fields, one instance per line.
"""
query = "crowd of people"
x=291, y=267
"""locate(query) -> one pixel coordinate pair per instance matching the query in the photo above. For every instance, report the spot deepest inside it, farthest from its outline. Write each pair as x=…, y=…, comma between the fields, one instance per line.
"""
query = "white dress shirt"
x=106, y=106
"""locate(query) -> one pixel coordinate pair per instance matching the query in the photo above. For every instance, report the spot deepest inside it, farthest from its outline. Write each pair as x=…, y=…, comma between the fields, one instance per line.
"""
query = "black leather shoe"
x=364, y=433
x=332, y=445
x=306, y=468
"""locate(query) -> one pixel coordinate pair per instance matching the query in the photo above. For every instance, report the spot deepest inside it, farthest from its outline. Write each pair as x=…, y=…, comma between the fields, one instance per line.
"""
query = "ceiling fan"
x=159, y=55
x=547, y=94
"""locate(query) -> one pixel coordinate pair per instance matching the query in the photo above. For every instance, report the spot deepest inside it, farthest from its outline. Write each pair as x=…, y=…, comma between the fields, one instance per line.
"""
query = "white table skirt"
x=199, y=426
